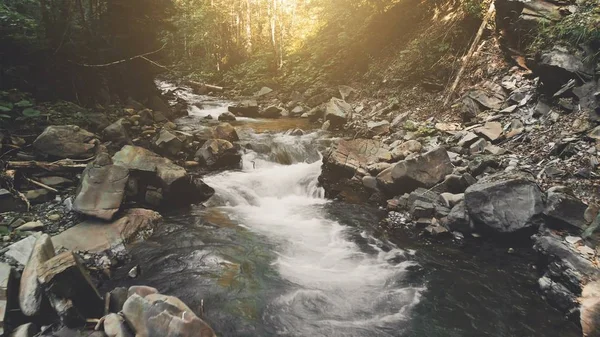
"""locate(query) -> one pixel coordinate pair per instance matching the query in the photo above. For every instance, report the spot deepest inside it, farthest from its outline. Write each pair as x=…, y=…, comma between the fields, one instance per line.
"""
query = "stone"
x=422, y=209
x=248, y=108
x=400, y=119
x=458, y=219
x=158, y=315
x=326, y=126
x=168, y=143
x=218, y=153
x=490, y=131
x=102, y=188
x=590, y=309
x=227, y=117
x=31, y=226
x=491, y=96
x=66, y=141
x=595, y=133
x=98, y=236
x=337, y=112
x=565, y=211
x=8, y=300
x=158, y=103
x=347, y=93
x=318, y=99
x=77, y=332
x=136, y=158
x=271, y=112
x=21, y=250
x=116, y=133
x=370, y=182
x=424, y=170
x=375, y=169
x=452, y=199
x=435, y=229
x=297, y=111
x=468, y=139
x=38, y=196
x=505, y=203
x=115, y=326
x=405, y=149
x=31, y=296
x=225, y=131
x=558, y=66
x=142, y=291
x=55, y=181
x=117, y=298
x=25, y=330
x=378, y=128
x=263, y=91
x=69, y=289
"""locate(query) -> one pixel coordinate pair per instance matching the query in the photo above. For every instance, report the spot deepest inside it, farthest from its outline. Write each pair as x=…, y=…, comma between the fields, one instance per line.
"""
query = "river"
x=268, y=255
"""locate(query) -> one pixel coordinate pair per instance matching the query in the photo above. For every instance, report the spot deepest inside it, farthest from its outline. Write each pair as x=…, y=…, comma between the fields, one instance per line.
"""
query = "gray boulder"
x=248, y=108
x=337, y=112
x=558, y=66
x=224, y=131
x=102, y=188
x=505, y=203
x=168, y=143
x=271, y=112
x=227, y=117
x=8, y=290
x=115, y=326
x=218, y=153
x=31, y=296
x=424, y=170
x=66, y=141
x=116, y=133
x=563, y=210
x=136, y=158
x=458, y=219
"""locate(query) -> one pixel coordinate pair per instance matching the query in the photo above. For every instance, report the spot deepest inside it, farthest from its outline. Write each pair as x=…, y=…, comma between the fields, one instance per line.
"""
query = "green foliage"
x=31, y=112
x=475, y=8
x=23, y=104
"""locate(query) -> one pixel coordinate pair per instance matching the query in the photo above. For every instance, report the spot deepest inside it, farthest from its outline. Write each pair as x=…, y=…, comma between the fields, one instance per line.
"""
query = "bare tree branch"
x=142, y=56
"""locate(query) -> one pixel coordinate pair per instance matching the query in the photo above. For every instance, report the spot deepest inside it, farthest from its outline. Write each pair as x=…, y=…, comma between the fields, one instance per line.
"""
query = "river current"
x=269, y=255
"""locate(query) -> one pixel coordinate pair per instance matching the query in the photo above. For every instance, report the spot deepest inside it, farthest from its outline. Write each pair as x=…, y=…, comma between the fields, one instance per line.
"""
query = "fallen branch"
x=204, y=88
x=470, y=53
x=52, y=167
x=142, y=56
x=37, y=183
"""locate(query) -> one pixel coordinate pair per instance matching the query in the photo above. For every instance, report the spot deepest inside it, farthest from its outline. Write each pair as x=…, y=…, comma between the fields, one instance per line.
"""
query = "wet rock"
x=458, y=219
x=8, y=291
x=218, y=153
x=65, y=141
x=490, y=131
x=505, y=203
x=271, y=112
x=225, y=131
x=590, y=309
x=69, y=289
x=248, y=108
x=424, y=170
x=25, y=330
x=227, y=117
x=115, y=326
x=158, y=315
x=98, y=236
x=77, y=332
x=405, y=149
x=102, y=188
x=136, y=158
x=116, y=133
x=117, y=298
x=168, y=143
x=378, y=128
x=337, y=112
x=31, y=296
x=436, y=229
x=557, y=294
x=452, y=199
x=565, y=211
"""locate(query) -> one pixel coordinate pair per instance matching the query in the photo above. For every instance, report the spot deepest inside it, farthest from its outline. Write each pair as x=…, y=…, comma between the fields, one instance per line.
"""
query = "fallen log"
x=61, y=165
x=203, y=88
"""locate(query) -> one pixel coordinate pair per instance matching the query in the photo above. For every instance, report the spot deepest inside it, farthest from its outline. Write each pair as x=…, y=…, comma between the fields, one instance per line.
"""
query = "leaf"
x=24, y=104
x=31, y=112
x=4, y=116
x=5, y=109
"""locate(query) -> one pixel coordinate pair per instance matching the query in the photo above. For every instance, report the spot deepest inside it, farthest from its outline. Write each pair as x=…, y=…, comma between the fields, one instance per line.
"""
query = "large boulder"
x=98, y=236
x=338, y=112
x=66, y=141
x=102, y=188
x=70, y=289
x=346, y=160
x=31, y=296
x=218, y=153
x=136, y=158
x=505, y=203
x=424, y=170
x=248, y=108
x=157, y=315
x=168, y=143
x=558, y=66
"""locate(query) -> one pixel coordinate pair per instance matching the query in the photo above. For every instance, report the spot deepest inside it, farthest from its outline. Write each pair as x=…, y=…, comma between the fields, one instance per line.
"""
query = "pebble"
x=573, y=239
x=54, y=217
x=133, y=273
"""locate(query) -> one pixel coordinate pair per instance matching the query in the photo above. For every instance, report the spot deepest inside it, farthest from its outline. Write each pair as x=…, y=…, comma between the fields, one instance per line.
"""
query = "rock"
x=65, y=141
x=271, y=112
x=318, y=99
x=9, y=202
x=102, y=188
x=399, y=120
x=405, y=149
x=69, y=289
x=454, y=184
x=424, y=170
x=54, y=217
x=478, y=146
x=21, y=250
x=8, y=291
x=491, y=96
x=378, y=128
x=31, y=226
x=435, y=229
x=590, y=309
x=558, y=66
x=158, y=104
x=595, y=133
x=505, y=203
x=490, y=131
x=326, y=126
x=136, y=158
x=347, y=93
x=98, y=236
x=297, y=111
x=458, y=219
x=225, y=131
x=158, y=315
x=468, y=139
x=263, y=91
x=227, y=117
x=168, y=143
x=116, y=133
x=117, y=298
x=142, y=291
x=218, y=153
x=77, y=332
x=452, y=199
x=337, y=112
x=55, y=181
x=248, y=108
x=563, y=210
x=31, y=297
x=375, y=169
x=370, y=182
x=25, y=330
x=115, y=326
x=38, y=196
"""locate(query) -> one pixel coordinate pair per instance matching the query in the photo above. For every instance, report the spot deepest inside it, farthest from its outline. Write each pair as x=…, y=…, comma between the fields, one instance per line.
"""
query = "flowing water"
x=268, y=255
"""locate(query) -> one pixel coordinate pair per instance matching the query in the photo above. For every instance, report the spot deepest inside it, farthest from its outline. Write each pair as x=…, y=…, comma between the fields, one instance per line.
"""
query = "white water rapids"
x=338, y=288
